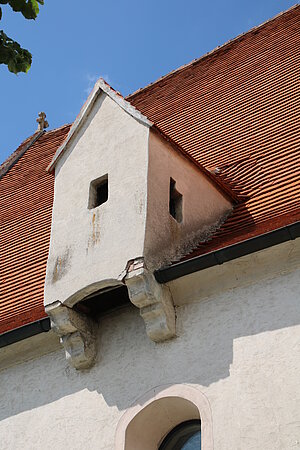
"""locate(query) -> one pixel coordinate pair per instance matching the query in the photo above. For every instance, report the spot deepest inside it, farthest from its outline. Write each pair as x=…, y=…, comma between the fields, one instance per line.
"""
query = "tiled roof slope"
x=26, y=196
x=236, y=111
x=10, y=161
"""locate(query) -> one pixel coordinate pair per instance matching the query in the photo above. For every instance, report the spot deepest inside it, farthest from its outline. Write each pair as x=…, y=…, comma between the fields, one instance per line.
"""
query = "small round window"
x=186, y=436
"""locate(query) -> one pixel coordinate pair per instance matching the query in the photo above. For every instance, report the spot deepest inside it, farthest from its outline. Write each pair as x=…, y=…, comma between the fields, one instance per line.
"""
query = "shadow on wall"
x=130, y=364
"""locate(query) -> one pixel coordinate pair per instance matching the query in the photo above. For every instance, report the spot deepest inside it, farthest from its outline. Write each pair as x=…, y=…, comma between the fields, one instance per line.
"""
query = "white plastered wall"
x=204, y=207
x=83, y=240
x=238, y=345
x=90, y=248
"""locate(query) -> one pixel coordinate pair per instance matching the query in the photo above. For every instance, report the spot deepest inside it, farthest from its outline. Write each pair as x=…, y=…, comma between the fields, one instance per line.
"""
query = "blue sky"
x=129, y=43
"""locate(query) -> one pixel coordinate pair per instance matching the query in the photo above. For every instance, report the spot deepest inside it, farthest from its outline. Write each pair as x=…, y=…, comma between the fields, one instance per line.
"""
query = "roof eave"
x=24, y=332
x=166, y=274
x=225, y=254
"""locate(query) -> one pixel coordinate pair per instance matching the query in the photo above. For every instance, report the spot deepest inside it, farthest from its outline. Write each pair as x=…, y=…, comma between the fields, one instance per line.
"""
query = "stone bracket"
x=76, y=332
x=154, y=301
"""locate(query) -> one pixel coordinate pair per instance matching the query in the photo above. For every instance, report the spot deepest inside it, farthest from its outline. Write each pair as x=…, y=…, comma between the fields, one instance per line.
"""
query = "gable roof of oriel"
x=235, y=111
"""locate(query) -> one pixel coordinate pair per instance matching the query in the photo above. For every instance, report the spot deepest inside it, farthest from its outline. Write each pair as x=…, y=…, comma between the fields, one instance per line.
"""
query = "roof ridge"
x=23, y=147
x=19, y=152
x=215, y=50
x=59, y=128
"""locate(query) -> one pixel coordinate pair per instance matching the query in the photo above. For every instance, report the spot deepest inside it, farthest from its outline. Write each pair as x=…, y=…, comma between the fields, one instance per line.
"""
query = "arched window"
x=175, y=417
x=185, y=436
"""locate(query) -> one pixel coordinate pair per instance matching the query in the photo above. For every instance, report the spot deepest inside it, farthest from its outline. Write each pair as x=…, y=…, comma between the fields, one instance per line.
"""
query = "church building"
x=150, y=262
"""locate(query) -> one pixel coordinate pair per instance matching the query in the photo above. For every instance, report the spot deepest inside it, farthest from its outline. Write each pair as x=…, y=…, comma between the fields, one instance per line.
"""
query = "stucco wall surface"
x=111, y=142
x=239, y=347
x=204, y=207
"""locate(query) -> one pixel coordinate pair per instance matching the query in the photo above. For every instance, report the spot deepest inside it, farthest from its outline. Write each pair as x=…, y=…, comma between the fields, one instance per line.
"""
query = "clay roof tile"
x=235, y=111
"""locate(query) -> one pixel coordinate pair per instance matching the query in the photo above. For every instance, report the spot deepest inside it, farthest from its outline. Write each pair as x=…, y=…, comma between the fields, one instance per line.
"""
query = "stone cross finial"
x=42, y=122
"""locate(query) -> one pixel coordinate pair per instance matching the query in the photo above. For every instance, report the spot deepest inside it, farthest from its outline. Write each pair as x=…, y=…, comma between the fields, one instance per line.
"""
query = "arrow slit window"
x=175, y=202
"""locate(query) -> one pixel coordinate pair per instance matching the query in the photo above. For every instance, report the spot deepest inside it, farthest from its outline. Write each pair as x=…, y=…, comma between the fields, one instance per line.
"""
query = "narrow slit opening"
x=175, y=202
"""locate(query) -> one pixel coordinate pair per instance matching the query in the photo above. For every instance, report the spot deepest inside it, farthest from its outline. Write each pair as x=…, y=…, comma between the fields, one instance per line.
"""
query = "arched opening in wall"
x=103, y=301
x=164, y=422
x=162, y=413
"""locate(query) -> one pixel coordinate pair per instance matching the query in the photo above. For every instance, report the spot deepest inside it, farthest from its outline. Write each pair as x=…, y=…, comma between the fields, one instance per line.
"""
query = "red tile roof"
x=26, y=196
x=235, y=110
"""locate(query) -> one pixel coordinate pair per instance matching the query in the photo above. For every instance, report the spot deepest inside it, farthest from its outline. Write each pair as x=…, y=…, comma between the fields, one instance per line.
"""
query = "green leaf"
x=29, y=8
x=16, y=58
x=13, y=55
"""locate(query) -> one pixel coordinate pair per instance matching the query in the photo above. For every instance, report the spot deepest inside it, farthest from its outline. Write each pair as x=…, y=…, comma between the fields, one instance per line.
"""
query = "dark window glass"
x=186, y=436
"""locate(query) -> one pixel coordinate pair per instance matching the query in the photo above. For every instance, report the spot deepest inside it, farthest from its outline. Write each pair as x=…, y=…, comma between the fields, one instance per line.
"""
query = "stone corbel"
x=76, y=332
x=154, y=301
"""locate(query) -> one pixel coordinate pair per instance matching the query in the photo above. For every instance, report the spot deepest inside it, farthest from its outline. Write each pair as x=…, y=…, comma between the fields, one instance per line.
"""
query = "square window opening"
x=175, y=202
x=98, y=192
